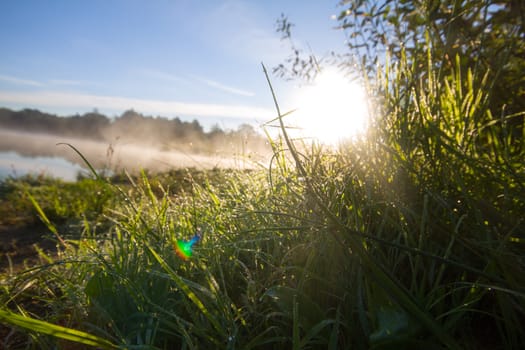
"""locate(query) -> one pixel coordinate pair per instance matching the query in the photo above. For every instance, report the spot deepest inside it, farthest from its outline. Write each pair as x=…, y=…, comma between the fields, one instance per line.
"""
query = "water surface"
x=24, y=153
x=15, y=165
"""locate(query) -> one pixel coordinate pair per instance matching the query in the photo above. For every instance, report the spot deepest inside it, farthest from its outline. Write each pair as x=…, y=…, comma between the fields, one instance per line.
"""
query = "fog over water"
x=14, y=165
x=18, y=150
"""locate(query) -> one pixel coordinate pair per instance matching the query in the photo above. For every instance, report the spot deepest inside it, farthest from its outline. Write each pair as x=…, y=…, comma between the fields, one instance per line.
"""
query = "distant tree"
x=93, y=125
x=131, y=126
x=216, y=131
x=196, y=127
x=246, y=130
x=30, y=120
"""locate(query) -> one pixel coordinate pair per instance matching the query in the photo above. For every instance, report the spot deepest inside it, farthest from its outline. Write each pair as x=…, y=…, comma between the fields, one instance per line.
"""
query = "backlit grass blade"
x=46, y=221
x=382, y=278
x=186, y=289
x=93, y=171
x=54, y=330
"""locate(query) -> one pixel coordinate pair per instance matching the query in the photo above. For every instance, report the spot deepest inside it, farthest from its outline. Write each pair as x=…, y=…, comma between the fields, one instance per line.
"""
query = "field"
x=411, y=236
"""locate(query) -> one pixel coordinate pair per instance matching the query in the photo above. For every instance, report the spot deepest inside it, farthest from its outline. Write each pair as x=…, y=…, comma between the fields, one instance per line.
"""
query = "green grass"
x=410, y=237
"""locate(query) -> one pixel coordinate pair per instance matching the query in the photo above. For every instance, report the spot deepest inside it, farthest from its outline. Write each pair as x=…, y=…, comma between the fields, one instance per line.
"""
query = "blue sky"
x=193, y=59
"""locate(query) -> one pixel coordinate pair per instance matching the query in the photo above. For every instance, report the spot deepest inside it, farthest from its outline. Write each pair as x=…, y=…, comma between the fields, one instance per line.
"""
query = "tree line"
x=134, y=127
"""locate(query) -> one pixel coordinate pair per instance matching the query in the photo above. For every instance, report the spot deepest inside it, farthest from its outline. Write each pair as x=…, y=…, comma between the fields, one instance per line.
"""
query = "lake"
x=24, y=153
x=14, y=165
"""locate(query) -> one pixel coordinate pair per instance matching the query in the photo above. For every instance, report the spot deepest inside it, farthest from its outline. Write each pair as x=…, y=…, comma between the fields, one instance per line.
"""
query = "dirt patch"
x=17, y=245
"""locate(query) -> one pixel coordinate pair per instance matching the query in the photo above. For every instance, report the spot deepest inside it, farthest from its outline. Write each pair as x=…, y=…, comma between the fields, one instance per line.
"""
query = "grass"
x=410, y=237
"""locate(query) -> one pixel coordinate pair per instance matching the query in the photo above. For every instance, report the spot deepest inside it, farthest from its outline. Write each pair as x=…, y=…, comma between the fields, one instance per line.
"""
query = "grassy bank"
x=410, y=237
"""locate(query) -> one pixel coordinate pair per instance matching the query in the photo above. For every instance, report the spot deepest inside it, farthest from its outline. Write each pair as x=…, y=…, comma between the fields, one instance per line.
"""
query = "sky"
x=193, y=59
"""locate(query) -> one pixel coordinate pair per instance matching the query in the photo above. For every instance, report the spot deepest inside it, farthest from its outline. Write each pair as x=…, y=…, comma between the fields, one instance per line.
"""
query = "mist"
x=131, y=155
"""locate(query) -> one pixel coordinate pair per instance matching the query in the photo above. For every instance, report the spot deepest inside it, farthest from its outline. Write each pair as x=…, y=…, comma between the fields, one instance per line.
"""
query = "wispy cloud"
x=34, y=83
x=66, y=82
x=217, y=85
x=119, y=104
x=155, y=74
x=19, y=81
x=191, y=79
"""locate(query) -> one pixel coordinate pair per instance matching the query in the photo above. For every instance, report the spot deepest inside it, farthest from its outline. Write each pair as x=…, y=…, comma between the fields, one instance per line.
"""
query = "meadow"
x=409, y=236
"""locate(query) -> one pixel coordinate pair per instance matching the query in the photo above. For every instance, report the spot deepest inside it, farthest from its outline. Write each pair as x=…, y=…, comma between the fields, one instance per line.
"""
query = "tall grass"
x=410, y=237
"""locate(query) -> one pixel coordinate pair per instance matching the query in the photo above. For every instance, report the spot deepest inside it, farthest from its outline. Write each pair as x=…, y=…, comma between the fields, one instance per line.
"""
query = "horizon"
x=181, y=59
x=112, y=118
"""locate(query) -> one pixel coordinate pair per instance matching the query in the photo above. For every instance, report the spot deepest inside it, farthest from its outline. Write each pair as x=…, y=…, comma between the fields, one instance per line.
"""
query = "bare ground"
x=17, y=246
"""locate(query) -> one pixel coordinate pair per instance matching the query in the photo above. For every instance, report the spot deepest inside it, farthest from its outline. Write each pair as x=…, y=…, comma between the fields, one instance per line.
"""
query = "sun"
x=331, y=109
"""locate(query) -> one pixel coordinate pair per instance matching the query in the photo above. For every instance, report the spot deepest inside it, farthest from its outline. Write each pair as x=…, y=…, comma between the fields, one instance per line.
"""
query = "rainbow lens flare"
x=184, y=248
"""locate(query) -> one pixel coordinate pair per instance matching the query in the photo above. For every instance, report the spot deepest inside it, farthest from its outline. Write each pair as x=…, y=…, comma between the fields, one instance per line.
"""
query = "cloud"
x=19, y=81
x=155, y=74
x=65, y=82
x=34, y=83
x=86, y=101
x=227, y=88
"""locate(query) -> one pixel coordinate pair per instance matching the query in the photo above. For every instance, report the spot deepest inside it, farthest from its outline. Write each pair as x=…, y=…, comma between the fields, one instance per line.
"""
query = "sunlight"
x=332, y=109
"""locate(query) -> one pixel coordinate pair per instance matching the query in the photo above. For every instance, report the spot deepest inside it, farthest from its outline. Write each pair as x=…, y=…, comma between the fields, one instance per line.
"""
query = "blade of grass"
x=93, y=171
x=46, y=220
x=186, y=289
x=296, y=337
x=355, y=245
x=43, y=327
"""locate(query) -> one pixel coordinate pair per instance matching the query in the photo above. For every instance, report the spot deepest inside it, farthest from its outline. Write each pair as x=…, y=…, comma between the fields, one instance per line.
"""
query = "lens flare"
x=184, y=248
